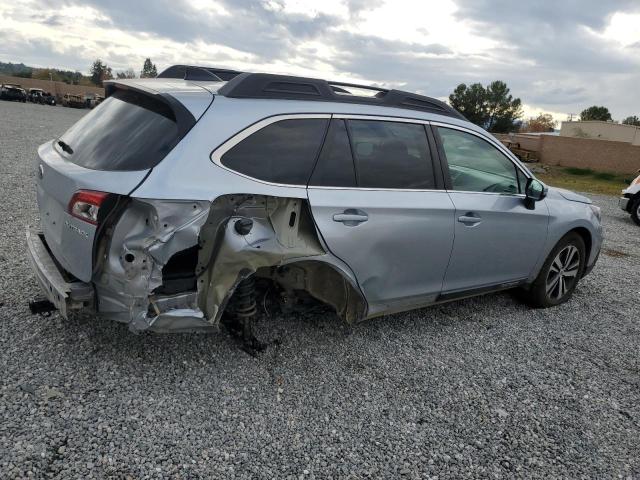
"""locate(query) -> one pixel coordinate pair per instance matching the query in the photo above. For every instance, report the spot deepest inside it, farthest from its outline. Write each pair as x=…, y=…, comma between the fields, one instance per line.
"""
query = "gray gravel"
x=481, y=387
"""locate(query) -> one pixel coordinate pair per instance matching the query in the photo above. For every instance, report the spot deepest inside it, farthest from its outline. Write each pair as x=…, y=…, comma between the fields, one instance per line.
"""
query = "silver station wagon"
x=177, y=201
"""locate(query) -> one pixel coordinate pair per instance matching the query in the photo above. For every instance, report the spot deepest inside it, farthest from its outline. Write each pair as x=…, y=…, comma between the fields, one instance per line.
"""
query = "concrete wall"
x=601, y=130
x=599, y=155
x=527, y=142
x=56, y=88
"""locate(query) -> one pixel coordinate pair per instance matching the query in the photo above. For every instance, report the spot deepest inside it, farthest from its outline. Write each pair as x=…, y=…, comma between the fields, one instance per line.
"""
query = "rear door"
x=378, y=204
x=498, y=240
x=111, y=149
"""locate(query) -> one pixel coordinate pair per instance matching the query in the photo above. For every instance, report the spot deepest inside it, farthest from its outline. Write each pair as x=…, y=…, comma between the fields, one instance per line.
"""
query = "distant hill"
x=25, y=71
x=16, y=69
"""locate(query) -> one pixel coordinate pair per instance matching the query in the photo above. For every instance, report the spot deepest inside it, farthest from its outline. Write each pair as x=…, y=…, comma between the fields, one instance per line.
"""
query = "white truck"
x=630, y=200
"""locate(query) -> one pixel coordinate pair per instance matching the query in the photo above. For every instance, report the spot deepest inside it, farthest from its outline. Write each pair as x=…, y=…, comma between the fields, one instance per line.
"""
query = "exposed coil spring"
x=246, y=298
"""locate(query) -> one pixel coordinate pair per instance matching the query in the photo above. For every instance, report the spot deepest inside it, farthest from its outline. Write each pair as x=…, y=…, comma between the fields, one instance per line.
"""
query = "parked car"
x=630, y=200
x=38, y=95
x=73, y=101
x=13, y=92
x=371, y=204
x=48, y=99
x=35, y=95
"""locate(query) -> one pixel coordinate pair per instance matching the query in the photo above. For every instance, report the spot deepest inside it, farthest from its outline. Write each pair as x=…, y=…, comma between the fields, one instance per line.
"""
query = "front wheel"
x=560, y=273
x=635, y=211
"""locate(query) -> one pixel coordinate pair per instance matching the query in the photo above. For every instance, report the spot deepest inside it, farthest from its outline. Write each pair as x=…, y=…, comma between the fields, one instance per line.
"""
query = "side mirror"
x=534, y=192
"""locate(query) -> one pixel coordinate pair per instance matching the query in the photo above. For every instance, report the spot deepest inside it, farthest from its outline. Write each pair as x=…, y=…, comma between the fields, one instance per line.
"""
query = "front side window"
x=391, y=155
x=477, y=166
x=282, y=152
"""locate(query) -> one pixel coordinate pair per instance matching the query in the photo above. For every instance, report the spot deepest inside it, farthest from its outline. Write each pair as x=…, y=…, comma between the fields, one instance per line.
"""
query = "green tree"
x=633, y=120
x=100, y=72
x=502, y=109
x=470, y=101
x=149, y=69
x=492, y=107
x=595, y=113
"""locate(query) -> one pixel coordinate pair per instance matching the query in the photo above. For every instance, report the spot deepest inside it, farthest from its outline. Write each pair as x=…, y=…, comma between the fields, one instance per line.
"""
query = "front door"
x=498, y=240
x=375, y=201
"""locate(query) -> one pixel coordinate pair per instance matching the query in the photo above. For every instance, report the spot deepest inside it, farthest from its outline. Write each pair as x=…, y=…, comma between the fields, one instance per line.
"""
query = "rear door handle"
x=351, y=217
x=469, y=219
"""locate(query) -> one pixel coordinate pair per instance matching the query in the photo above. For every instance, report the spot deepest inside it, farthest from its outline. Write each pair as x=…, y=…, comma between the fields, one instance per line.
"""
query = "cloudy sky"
x=558, y=56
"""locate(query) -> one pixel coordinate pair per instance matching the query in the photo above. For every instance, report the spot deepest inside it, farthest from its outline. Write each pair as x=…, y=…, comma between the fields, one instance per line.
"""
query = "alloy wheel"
x=563, y=272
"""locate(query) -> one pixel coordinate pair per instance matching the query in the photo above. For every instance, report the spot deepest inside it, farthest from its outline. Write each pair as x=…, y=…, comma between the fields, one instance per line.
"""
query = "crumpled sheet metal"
x=234, y=257
x=145, y=237
x=150, y=232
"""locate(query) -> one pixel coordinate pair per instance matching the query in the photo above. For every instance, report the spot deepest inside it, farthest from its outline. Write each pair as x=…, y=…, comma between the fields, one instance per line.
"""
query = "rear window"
x=127, y=131
x=283, y=152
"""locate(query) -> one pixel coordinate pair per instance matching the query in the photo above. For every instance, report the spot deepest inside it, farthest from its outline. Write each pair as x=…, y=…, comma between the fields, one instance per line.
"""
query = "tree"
x=128, y=73
x=100, y=72
x=493, y=107
x=542, y=123
x=633, y=120
x=149, y=69
x=470, y=101
x=595, y=113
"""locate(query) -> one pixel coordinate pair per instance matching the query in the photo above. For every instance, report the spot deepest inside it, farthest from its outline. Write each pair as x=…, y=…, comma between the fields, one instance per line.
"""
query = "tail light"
x=85, y=205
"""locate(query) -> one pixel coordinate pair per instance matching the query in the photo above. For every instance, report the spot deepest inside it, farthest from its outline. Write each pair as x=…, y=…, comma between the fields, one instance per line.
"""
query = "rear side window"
x=283, y=152
x=391, y=155
x=335, y=164
x=127, y=131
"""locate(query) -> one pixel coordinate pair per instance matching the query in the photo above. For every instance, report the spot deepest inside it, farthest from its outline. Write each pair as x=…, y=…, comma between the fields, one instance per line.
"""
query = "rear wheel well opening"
x=323, y=282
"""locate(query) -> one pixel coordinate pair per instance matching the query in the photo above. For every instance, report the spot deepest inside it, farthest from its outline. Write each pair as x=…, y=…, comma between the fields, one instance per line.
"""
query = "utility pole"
x=571, y=116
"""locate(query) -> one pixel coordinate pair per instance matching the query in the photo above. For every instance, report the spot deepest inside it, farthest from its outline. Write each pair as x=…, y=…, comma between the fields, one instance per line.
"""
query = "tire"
x=635, y=211
x=550, y=288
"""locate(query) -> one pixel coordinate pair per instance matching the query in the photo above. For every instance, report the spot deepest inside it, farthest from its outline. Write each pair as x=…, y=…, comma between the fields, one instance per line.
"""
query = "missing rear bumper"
x=63, y=294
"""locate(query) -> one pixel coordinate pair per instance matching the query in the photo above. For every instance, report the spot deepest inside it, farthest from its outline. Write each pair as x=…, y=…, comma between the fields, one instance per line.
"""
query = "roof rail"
x=266, y=85
x=190, y=72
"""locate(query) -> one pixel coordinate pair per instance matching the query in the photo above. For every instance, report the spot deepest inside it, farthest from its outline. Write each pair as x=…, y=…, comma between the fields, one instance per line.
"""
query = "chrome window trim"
x=501, y=148
x=216, y=155
x=379, y=118
x=218, y=152
x=372, y=189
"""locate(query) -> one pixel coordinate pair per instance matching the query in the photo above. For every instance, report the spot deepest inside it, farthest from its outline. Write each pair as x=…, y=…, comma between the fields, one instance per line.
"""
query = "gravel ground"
x=481, y=387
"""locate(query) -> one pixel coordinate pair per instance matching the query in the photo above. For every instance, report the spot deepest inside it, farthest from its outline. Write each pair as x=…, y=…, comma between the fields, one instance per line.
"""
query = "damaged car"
x=177, y=199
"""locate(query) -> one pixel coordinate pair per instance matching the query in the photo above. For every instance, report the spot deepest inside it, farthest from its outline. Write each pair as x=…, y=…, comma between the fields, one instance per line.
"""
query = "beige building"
x=602, y=131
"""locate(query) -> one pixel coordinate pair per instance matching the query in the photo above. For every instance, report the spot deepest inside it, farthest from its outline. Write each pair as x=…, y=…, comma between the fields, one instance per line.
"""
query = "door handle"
x=351, y=217
x=469, y=219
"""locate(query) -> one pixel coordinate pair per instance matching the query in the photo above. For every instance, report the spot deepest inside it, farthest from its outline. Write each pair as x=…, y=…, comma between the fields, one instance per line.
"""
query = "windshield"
x=127, y=131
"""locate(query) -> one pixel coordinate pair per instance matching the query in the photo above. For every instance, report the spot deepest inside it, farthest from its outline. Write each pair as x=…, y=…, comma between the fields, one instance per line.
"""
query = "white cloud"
x=555, y=58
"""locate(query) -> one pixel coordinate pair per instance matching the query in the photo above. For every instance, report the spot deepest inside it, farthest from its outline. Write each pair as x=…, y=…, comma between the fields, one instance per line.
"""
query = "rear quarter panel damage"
x=129, y=275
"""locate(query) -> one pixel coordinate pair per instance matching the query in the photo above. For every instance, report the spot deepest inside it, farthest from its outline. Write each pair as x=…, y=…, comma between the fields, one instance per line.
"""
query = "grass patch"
x=578, y=171
x=584, y=180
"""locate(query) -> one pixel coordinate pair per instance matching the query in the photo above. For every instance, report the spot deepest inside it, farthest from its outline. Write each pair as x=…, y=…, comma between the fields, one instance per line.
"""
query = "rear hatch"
x=106, y=154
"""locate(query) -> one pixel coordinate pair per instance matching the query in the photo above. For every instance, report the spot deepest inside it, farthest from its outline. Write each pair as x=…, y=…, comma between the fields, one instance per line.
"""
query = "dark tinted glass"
x=128, y=131
x=477, y=166
x=335, y=165
x=283, y=152
x=391, y=155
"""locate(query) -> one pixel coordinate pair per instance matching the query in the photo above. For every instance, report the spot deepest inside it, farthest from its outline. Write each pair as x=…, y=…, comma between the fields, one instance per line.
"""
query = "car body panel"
x=57, y=179
x=400, y=253
x=502, y=247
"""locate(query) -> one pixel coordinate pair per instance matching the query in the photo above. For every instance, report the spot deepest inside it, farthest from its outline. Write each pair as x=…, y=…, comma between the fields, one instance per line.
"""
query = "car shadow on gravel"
x=320, y=329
